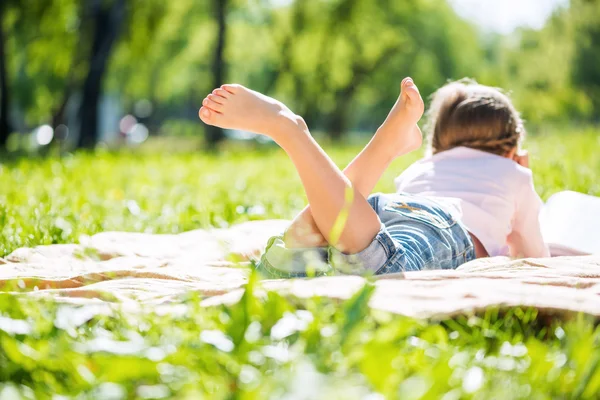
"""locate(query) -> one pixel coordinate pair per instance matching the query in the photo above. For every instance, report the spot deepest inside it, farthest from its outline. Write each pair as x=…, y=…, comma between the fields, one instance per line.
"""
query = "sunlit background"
x=504, y=16
x=124, y=72
x=99, y=132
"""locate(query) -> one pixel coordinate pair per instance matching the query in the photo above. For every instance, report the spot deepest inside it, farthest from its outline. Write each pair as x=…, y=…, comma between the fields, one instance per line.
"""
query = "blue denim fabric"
x=417, y=233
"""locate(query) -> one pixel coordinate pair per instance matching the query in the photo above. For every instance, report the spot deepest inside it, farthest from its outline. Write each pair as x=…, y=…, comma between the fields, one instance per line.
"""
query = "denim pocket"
x=426, y=211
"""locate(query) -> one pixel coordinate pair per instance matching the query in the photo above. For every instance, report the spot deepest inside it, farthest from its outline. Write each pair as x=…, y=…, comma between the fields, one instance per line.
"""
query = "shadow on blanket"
x=155, y=269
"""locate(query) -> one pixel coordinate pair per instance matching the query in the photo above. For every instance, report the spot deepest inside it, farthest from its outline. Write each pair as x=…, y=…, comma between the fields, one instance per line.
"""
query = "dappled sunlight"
x=132, y=230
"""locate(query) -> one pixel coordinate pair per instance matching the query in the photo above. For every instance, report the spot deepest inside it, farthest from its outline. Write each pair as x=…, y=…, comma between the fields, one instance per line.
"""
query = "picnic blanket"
x=157, y=269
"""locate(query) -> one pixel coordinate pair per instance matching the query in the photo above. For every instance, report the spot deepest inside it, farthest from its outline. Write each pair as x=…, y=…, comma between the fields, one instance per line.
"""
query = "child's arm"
x=526, y=238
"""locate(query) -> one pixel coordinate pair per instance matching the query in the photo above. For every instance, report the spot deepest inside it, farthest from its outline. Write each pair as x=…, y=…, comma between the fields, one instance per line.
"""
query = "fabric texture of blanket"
x=157, y=269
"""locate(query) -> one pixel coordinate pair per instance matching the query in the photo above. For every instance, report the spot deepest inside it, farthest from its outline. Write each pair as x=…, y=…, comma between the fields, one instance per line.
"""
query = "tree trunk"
x=215, y=135
x=58, y=117
x=107, y=24
x=5, y=126
x=338, y=120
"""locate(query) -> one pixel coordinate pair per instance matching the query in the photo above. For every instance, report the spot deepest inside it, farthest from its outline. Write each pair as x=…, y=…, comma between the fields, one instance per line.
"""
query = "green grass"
x=263, y=347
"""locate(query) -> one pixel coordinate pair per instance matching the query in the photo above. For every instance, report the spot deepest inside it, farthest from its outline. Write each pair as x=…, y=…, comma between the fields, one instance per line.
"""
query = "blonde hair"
x=464, y=113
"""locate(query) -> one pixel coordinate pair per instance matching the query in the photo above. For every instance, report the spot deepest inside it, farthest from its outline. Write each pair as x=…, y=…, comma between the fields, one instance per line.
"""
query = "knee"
x=355, y=243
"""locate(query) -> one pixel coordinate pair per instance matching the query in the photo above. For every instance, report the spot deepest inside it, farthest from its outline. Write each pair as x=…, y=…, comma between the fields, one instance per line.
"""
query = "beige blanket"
x=156, y=269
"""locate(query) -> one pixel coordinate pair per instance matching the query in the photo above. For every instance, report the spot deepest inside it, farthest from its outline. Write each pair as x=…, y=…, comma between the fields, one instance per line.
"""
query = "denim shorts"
x=417, y=233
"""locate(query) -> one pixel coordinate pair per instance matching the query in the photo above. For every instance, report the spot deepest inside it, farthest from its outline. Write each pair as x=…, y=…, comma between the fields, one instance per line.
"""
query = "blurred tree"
x=365, y=58
x=336, y=62
x=586, y=71
x=40, y=42
x=553, y=71
x=164, y=56
x=107, y=20
x=326, y=56
x=214, y=135
x=62, y=53
x=75, y=71
x=5, y=125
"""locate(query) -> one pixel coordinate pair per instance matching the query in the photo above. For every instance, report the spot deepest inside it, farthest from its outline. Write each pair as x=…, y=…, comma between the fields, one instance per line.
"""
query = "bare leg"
x=326, y=187
x=397, y=136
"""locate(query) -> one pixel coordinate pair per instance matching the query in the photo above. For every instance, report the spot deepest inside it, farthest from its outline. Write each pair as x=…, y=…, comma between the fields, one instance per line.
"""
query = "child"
x=474, y=136
x=363, y=233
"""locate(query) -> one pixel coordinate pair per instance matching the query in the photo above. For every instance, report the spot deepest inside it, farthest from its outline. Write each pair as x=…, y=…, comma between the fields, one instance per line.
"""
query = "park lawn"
x=271, y=345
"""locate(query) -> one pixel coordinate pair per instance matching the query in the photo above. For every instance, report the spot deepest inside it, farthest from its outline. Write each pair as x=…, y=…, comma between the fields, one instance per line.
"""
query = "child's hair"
x=464, y=113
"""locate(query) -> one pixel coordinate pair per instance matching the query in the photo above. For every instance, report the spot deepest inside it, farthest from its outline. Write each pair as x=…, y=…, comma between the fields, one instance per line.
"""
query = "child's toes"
x=212, y=104
x=410, y=90
x=231, y=88
x=408, y=85
x=216, y=98
x=207, y=116
x=221, y=93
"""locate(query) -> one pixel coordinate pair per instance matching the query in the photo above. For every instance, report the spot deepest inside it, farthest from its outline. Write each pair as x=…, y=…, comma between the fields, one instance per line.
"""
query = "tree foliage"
x=336, y=62
x=554, y=71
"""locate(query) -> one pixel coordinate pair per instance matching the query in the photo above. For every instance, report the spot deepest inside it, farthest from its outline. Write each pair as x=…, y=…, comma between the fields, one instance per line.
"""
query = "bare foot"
x=237, y=107
x=399, y=131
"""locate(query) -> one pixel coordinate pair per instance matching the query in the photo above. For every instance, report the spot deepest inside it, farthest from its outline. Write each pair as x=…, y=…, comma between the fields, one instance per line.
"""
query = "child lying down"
x=472, y=196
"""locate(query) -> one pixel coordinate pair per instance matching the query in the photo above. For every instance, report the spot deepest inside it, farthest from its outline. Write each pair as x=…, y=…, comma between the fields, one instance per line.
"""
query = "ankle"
x=289, y=129
x=380, y=145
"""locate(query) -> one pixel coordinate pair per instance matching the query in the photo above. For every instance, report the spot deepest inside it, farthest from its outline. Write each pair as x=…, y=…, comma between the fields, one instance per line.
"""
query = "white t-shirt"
x=494, y=195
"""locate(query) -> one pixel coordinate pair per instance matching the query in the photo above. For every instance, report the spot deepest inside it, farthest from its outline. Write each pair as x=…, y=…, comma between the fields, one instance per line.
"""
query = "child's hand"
x=521, y=157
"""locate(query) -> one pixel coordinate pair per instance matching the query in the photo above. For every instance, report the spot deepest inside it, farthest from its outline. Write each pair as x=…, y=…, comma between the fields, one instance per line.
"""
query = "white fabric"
x=495, y=196
x=137, y=270
x=571, y=224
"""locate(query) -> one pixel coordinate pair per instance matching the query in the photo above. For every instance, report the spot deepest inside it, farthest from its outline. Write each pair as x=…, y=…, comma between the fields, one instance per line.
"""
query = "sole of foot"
x=400, y=130
x=237, y=107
